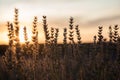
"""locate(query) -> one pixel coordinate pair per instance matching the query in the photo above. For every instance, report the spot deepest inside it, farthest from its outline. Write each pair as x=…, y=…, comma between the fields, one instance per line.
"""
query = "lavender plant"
x=110, y=34
x=46, y=31
x=65, y=36
x=56, y=36
x=78, y=34
x=71, y=31
x=52, y=35
x=100, y=36
x=115, y=34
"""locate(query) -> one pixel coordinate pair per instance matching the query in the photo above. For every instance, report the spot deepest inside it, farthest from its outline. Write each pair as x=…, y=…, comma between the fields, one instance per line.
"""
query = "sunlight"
x=21, y=35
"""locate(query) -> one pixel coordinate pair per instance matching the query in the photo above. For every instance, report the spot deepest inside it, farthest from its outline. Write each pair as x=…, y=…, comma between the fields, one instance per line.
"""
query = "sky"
x=88, y=14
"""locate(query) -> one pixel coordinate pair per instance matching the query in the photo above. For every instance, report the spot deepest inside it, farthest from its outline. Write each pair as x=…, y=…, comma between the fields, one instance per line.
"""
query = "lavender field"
x=69, y=60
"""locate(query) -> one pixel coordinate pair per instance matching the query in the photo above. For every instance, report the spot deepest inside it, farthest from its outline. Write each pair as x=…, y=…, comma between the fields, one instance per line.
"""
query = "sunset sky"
x=89, y=14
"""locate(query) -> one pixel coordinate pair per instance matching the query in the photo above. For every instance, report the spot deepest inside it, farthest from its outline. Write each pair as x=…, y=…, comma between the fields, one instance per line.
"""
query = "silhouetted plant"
x=46, y=31
x=100, y=36
x=56, y=36
x=95, y=39
x=17, y=44
x=35, y=32
x=9, y=57
x=65, y=36
x=115, y=35
x=18, y=67
x=52, y=35
x=71, y=31
x=78, y=34
x=26, y=37
x=10, y=34
x=35, y=47
x=16, y=24
x=110, y=34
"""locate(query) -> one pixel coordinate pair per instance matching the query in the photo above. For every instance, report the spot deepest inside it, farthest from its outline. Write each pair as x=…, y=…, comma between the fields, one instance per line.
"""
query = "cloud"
x=35, y=1
x=104, y=20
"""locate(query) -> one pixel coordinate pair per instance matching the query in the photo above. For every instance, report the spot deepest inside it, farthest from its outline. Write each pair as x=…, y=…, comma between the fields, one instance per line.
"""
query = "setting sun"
x=21, y=35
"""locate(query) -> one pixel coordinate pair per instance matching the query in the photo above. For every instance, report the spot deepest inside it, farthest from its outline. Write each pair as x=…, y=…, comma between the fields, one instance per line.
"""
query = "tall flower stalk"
x=9, y=57
x=65, y=36
x=52, y=35
x=16, y=25
x=71, y=31
x=56, y=36
x=95, y=38
x=110, y=34
x=115, y=34
x=100, y=36
x=46, y=31
x=10, y=34
x=78, y=34
x=26, y=37
x=35, y=46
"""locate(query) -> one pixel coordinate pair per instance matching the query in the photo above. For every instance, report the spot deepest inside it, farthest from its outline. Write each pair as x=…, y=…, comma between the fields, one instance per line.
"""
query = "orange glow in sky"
x=88, y=14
